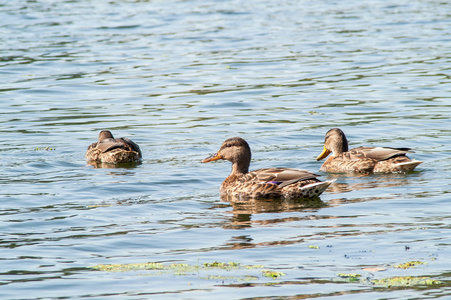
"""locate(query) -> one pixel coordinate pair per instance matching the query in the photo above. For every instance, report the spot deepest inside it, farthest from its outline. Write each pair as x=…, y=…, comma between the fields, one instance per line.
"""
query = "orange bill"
x=212, y=157
x=323, y=154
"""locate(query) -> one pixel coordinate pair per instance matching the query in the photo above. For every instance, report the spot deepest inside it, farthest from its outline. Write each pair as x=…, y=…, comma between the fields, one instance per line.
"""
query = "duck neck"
x=240, y=167
x=340, y=147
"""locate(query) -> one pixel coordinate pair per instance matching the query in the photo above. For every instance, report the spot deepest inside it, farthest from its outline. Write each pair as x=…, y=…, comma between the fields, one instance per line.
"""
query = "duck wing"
x=282, y=176
x=109, y=144
x=132, y=145
x=378, y=153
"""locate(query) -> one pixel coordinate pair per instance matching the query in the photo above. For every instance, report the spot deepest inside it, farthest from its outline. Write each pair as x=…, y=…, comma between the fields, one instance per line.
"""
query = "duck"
x=273, y=182
x=363, y=159
x=110, y=150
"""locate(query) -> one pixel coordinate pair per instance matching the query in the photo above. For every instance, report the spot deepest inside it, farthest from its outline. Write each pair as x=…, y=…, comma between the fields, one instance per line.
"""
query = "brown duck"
x=111, y=150
x=263, y=183
x=363, y=159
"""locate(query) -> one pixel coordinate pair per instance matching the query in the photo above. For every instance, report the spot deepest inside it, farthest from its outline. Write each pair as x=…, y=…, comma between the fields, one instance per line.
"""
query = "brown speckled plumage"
x=111, y=150
x=363, y=159
x=263, y=183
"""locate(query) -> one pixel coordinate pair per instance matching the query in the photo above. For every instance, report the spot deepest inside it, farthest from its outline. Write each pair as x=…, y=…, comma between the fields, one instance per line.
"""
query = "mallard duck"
x=111, y=150
x=263, y=183
x=363, y=159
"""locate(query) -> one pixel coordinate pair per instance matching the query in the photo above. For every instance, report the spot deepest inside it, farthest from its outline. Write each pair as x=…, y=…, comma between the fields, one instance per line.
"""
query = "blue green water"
x=179, y=77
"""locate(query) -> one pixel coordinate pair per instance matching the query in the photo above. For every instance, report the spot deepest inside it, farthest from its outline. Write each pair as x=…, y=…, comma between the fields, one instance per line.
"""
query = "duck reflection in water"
x=242, y=210
x=344, y=184
x=103, y=165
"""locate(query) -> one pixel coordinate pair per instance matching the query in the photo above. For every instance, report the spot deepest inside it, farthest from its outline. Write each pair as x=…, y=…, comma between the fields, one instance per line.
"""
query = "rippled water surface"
x=179, y=77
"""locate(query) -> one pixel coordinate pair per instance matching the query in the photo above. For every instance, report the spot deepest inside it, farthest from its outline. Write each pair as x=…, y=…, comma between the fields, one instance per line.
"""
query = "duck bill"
x=323, y=154
x=212, y=157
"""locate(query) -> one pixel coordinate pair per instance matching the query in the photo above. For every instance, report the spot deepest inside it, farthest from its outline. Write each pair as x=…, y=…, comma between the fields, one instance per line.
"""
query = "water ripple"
x=179, y=77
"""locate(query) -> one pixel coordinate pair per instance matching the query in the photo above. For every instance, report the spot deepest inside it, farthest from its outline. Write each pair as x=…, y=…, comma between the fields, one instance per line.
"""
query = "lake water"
x=179, y=77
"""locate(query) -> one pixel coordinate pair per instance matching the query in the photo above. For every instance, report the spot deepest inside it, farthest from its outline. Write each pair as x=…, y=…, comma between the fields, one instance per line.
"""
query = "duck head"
x=237, y=151
x=335, y=142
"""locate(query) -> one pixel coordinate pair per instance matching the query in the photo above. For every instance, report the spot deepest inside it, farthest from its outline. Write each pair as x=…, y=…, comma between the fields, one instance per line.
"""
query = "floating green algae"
x=99, y=205
x=410, y=264
x=272, y=274
x=405, y=281
x=210, y=271
x=174, y=267
x=244, y=278
x=46, y=148
x=222, y=265
x=350, y=277
x=231, y=265
x=400, y=281
x=234, y=271
x=129, y=267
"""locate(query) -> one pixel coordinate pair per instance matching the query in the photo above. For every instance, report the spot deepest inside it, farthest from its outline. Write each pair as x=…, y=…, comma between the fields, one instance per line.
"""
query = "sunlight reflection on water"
x=180, y=77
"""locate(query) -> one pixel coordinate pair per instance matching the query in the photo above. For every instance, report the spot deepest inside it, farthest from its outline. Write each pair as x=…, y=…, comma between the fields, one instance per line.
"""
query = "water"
x=179, y=77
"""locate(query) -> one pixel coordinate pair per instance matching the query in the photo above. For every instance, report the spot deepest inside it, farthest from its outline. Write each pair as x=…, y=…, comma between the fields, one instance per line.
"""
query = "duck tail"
x=317, y=188
x=408, y=166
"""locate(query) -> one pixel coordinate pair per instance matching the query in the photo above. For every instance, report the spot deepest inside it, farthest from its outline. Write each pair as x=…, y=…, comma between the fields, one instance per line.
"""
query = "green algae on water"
x=410, y=264
x=405, y=281
x=173, y=267
x=222, y=265
x=207, y=271
x=350, y=277
x=272, y=274
x=46, y=148
x=128, y=267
